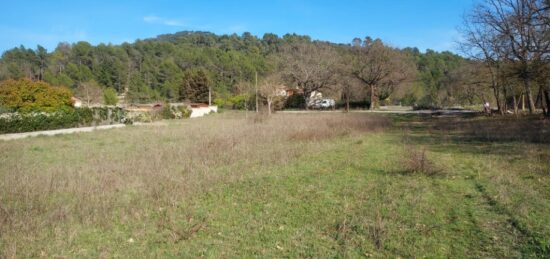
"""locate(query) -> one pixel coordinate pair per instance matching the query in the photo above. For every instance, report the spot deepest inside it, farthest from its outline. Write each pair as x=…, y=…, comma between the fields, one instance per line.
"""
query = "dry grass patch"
x=338, y=126
x=416, y=161
x=120, y=176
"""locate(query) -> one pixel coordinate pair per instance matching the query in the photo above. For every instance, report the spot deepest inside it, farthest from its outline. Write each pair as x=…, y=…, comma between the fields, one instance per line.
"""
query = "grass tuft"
x=416, y=161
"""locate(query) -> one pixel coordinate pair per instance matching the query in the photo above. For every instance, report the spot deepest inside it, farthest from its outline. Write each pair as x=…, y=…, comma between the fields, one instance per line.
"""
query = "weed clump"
x=416, y=161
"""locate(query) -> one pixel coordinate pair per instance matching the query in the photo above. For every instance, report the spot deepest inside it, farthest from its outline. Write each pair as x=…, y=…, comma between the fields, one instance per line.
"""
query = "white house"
x=199, y=109
x=77, y=103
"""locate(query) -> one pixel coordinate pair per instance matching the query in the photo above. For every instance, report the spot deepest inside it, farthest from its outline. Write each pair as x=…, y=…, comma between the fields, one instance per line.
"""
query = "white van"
x=324, y=104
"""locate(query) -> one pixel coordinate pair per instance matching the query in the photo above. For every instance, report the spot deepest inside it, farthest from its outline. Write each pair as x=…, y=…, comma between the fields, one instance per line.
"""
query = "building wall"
x=200, y=112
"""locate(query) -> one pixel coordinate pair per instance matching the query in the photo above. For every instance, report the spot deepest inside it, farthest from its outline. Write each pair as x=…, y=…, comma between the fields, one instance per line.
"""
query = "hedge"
x=62, y=118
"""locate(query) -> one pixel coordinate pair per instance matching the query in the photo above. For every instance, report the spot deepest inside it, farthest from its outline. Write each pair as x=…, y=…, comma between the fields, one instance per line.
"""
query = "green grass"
x=295, y=194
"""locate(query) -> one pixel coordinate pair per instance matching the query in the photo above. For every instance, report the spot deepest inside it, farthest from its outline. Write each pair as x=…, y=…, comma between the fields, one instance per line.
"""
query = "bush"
x=5, y=110
x=236, y=102
x=24, y=122
x=127, y=121
x=239, y=102
x=110, y=97
x=419, y=107
x=220, y=102
x=426, y=103
x=362, y=104
x=181, y=112
x=166, y=112
x=29, y=96
x=156, y=114
x=144, y=117
x=296, y=101
x=185, y=111
x=409, y=99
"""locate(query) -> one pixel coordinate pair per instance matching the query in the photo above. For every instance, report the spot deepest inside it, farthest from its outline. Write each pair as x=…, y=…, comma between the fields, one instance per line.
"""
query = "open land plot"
x=293, y=185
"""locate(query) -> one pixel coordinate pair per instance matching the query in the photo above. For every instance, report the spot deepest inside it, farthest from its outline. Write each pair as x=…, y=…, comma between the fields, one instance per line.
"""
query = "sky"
x=425, y=24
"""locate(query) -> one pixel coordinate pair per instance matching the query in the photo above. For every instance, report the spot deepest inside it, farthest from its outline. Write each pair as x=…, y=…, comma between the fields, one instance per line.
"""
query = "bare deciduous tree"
x=380, y=68
x=469, y=84
x=310, y=66
x=246, y=89
x=270, y=89
x=485, y=45
x=543, y=79
x=519, y=31
x=90, y=92
x=348, y=85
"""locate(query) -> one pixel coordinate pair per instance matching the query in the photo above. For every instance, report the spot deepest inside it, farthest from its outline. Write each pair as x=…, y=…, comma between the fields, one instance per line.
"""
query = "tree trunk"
x=373, y=101
x=307, y=98
x=347, y=101
x=505, y=104
x=522, y=102
x=497, y=98
x=209, y=96
x=543, y=102
x=547, y=97
x=539, y=100
x=527, y=85
x=256, y=90
x=269, y=107
x=128, y=78
x=246, y=109
x=87, y=97
x=515, y=103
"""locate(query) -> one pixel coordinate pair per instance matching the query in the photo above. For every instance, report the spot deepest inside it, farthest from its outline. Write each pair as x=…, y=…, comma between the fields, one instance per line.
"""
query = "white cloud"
x=164, y=21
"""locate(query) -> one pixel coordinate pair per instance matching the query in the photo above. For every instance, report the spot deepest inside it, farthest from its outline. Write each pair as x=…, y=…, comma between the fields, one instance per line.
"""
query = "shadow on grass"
x=474, y=134
x=510, y=138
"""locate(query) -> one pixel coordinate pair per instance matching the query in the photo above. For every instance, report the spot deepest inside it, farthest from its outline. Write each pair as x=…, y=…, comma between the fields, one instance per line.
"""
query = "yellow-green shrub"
x=33, y=96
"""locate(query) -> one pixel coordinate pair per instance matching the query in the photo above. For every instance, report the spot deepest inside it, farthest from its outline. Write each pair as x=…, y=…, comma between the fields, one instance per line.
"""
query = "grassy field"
x=294, y=185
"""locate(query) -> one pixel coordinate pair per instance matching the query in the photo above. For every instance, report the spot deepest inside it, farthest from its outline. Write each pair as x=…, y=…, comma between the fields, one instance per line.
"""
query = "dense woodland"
x=496, y=65
x=156, y=69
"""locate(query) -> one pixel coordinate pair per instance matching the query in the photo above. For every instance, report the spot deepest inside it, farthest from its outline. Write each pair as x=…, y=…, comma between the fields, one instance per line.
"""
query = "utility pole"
x=256, y=89
x=209, y=96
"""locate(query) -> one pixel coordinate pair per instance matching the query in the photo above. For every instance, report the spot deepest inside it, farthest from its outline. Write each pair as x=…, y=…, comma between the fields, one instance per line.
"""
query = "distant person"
x=487, y=108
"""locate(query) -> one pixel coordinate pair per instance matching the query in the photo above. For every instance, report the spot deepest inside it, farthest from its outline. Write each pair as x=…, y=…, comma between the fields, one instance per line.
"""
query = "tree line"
x=159, y=69
x=510, y=40
x=504, y=61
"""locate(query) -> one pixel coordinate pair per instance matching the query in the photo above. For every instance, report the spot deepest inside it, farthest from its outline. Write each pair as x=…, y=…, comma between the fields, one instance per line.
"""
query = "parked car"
x=324, y=104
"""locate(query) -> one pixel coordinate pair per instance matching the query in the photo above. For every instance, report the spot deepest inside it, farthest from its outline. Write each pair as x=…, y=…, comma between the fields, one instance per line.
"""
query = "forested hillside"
x=155, y=69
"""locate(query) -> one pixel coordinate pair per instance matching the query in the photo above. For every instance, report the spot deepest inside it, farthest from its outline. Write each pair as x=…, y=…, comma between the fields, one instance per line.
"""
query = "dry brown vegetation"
x=63, y=182
x=416, y=161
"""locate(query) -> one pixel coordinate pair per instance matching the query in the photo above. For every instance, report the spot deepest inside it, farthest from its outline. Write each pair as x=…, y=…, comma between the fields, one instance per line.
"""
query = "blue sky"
x=416, y=23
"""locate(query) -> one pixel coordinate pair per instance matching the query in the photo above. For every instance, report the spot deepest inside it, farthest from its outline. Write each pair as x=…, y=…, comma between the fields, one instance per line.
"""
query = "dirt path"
x=402, y=111
x=56, y=132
